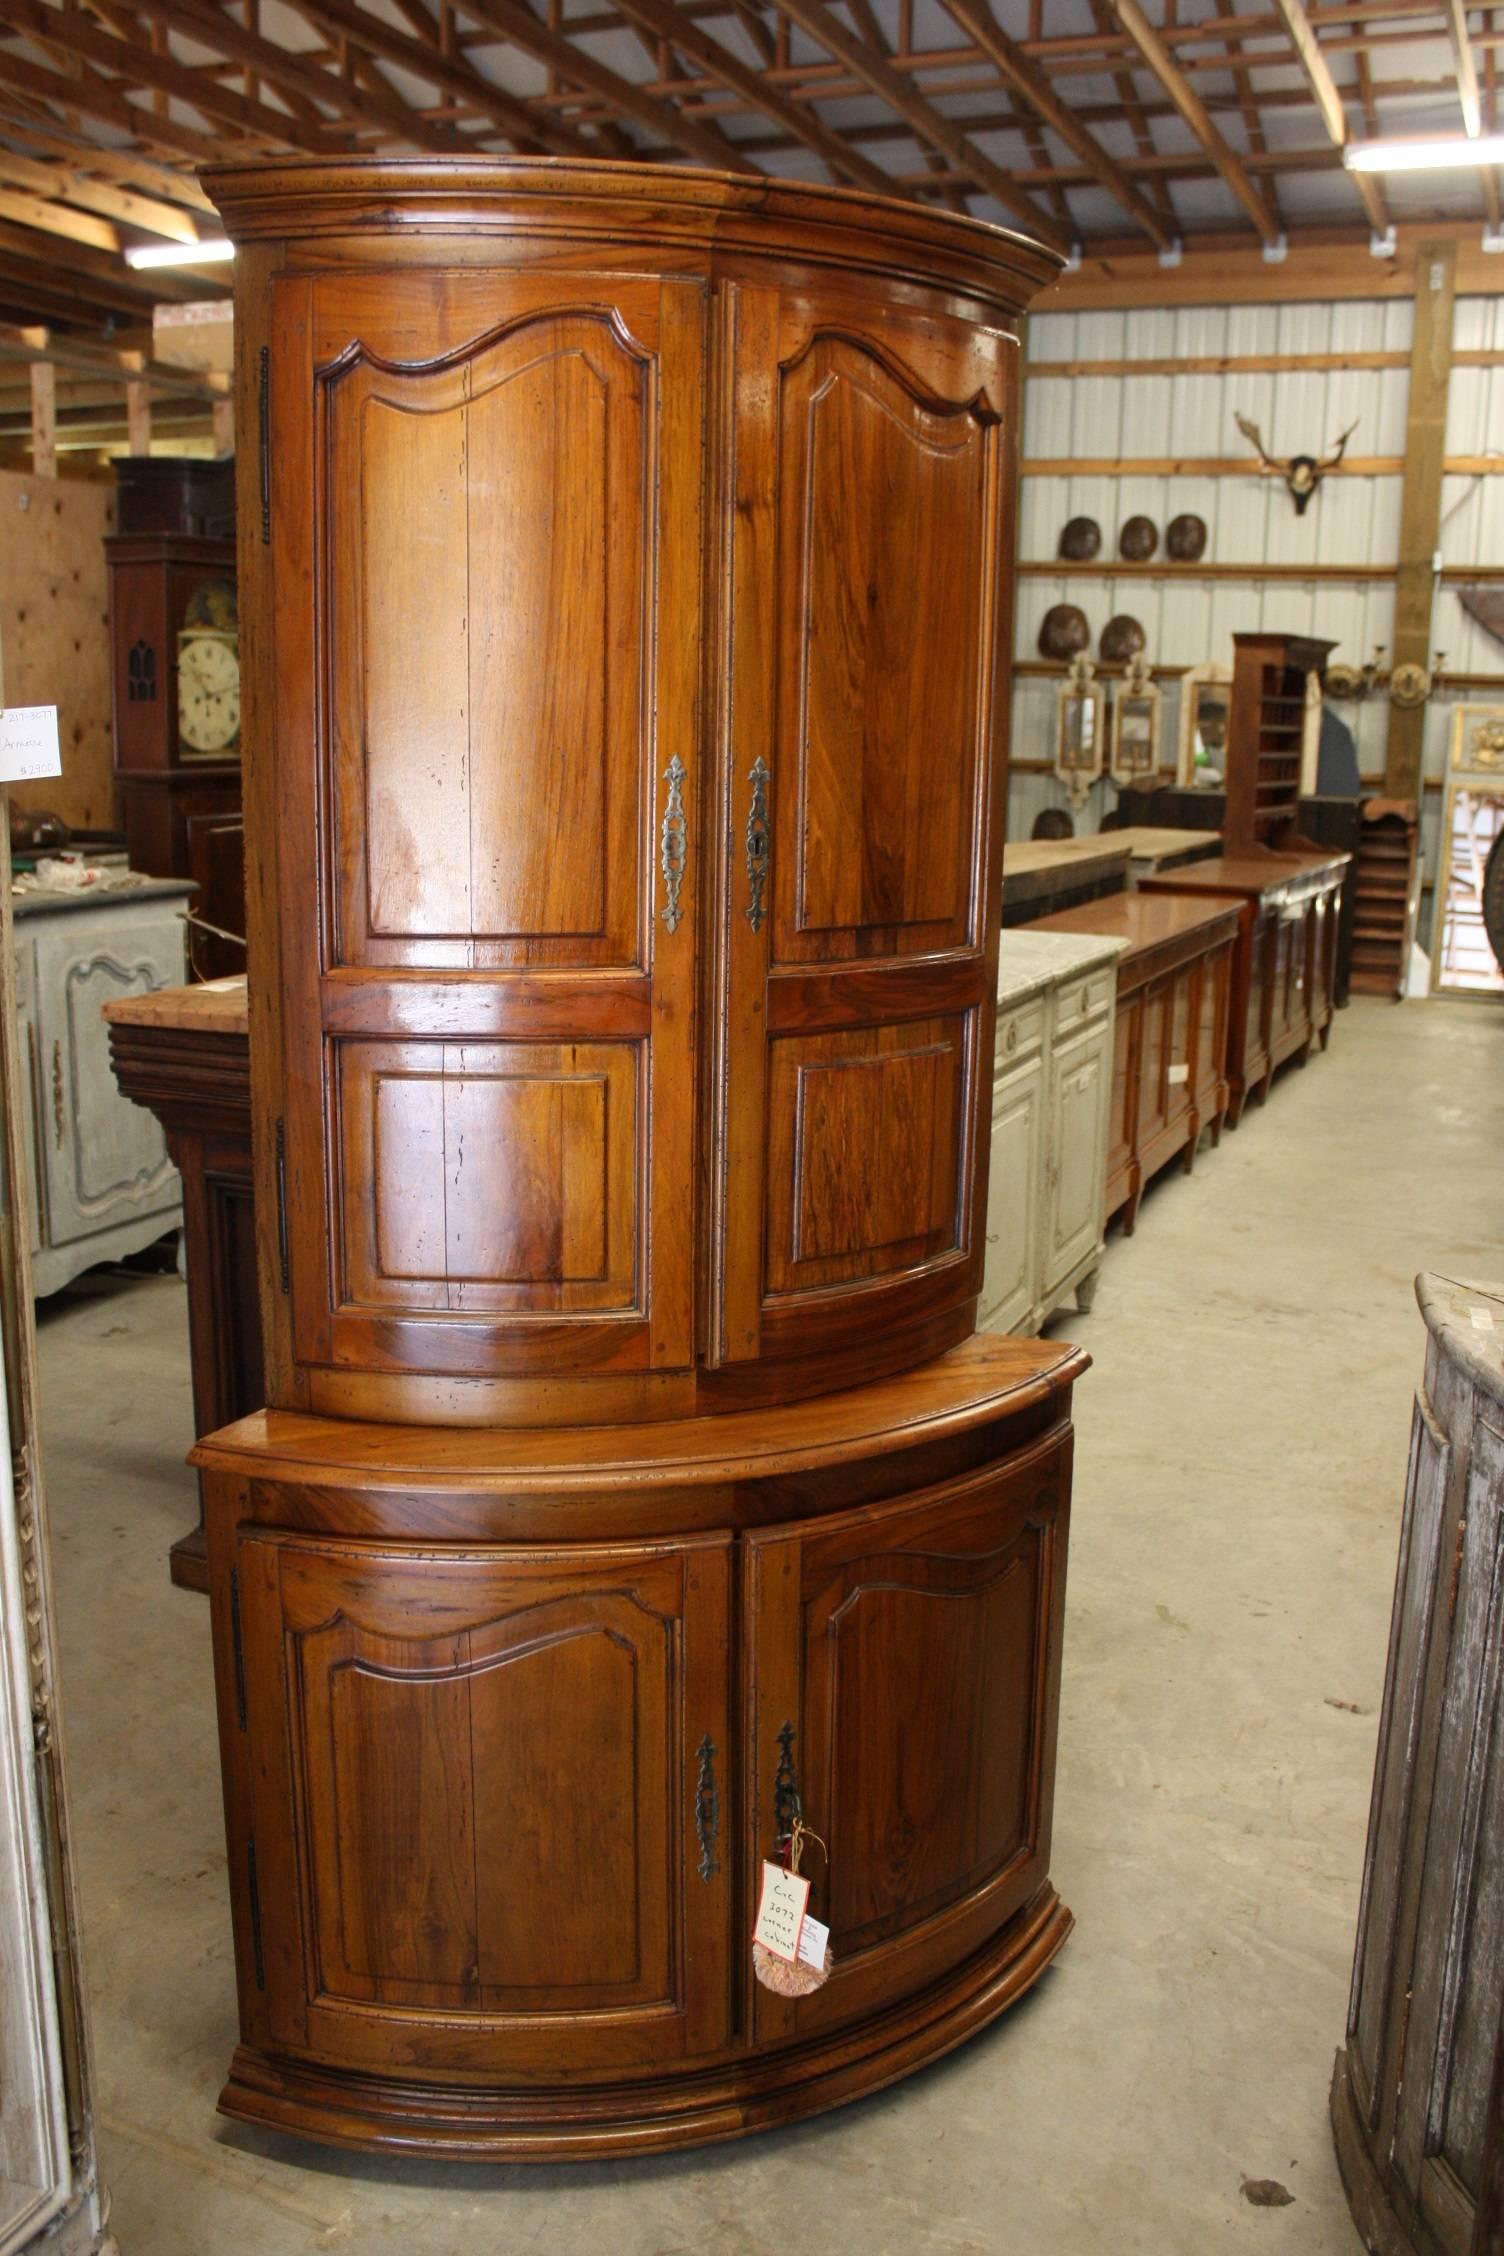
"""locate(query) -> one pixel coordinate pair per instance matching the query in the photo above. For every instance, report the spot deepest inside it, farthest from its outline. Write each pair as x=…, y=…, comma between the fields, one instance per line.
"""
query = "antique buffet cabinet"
x=624, y=578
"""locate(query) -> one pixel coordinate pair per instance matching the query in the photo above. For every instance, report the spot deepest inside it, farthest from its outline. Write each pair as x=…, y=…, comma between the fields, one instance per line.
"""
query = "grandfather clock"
x=174, y=636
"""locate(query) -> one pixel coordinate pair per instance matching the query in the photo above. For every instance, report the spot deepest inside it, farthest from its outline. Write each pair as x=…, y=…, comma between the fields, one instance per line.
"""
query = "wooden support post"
x=138, y=417
x=44, y=419
x=1420, y=505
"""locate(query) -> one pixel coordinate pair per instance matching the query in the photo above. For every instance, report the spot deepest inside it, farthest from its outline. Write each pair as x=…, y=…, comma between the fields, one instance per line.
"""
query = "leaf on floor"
x=1267, y=2193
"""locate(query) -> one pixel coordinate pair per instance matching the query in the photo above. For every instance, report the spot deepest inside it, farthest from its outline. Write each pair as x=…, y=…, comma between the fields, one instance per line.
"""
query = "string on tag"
x=797, y=1838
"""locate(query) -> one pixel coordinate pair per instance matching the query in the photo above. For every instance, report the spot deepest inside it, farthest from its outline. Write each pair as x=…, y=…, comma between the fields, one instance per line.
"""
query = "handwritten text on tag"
x=814, y=1940
x=28, y=743
x=780, y=1914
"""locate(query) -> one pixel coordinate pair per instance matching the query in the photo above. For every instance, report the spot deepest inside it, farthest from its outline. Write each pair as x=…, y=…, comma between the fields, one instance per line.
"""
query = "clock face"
x=208, y=693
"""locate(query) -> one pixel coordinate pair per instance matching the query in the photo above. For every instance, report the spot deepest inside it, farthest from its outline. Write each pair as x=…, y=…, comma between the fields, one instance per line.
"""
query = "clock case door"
x=486, y=595
x=865, y=634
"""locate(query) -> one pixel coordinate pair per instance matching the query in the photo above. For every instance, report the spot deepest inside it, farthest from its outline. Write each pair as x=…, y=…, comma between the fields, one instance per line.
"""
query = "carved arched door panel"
x=863, y=744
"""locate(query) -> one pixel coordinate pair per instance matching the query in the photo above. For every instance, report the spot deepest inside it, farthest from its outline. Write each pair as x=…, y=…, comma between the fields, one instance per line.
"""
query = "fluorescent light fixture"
x=211, y=252
x=1442, y=153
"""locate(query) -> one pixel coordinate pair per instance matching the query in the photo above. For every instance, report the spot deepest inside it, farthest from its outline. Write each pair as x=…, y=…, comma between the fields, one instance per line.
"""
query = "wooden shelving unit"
x=1384, y=915
x=1266, y=732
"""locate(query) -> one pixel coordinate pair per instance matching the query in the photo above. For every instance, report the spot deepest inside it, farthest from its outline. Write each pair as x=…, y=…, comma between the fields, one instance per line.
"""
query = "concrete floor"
x=1240, y=1462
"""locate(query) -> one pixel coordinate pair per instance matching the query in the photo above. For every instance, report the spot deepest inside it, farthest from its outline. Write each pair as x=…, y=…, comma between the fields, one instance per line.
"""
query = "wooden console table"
x=1285, y=962
x=1044, y=874
x=183, y=1053
x=1169, y=1071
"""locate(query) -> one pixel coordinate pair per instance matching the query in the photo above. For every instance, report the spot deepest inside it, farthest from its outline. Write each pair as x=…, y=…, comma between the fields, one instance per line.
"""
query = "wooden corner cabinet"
x=625, y=573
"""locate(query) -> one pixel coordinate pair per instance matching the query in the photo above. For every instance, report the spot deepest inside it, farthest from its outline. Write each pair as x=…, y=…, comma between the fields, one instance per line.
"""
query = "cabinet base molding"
x=1367, y=2195
x=559, y=2123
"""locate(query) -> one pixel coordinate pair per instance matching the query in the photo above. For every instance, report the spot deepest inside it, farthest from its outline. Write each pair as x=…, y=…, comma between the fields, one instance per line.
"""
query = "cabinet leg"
x=1217, y=1120
x=1326, y=1033
x=1188, y=1156
x=1086, y=1291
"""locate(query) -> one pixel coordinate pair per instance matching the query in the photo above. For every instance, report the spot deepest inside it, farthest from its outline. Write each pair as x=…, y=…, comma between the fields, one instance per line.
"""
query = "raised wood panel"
x=884, y=522
x=1374, y=1969
x=490, y=1174
x=863, y=1157
x=1079, y=1094
x=488, y=628
x=493, y=1773
x=905, y=1673
x=1018, y=1134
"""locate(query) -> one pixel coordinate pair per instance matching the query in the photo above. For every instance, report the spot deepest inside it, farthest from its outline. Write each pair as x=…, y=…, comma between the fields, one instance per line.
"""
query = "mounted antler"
x=1302, y=473
x=1254, y=436
x=1330, y=461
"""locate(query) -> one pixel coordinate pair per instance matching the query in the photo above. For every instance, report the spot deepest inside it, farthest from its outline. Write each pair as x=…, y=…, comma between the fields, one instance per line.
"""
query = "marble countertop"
x=1029, y=960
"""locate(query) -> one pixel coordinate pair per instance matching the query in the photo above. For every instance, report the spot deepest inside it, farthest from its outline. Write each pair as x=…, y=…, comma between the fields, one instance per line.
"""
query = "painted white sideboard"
x=1051, y=1100
x=103, y=1183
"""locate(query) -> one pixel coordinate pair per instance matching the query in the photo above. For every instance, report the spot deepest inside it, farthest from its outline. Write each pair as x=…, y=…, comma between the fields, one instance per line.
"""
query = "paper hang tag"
x=781, y=1913
x=1177, y=1073
x=814, y=1943
x=29, y=743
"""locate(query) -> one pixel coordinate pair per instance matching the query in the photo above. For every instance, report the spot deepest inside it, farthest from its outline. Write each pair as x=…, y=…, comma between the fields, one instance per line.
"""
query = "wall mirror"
x=1205, y=706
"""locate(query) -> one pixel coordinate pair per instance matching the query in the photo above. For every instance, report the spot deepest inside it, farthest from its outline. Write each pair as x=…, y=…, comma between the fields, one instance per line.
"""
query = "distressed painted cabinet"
x=104, y=1184
x=1417, y=2133
x=1051, y=1093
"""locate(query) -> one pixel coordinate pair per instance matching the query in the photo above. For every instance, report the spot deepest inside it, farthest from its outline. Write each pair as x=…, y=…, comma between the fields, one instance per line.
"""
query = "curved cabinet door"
x=486, y=1790
x=862, y=747
x=486, y=494
x=904, y=1674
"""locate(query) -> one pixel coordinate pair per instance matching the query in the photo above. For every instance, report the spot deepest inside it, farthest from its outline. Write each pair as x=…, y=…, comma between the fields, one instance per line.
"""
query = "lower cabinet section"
x=498, y=1802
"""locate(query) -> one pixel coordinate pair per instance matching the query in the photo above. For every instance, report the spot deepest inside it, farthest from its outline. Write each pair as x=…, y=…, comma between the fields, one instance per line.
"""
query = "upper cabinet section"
x=626, y=595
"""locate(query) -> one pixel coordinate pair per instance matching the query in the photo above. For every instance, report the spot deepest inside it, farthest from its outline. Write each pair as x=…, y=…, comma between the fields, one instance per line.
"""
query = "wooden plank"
x=1194, y=112
x=1059, y=568
x=141, y=65
x=79, y=357
x=1204, y=466
x=1027, y=80
x=522, y=29
x=931, y=125
x=1330, y=104
x=67, y=184
x=666, y=20
x=527, y=128
x=1330, y=265
x=44, y=420
x=137, y=417
x=56, y=219
x=295, y=77
x=1420, y=505
x=1253, y=364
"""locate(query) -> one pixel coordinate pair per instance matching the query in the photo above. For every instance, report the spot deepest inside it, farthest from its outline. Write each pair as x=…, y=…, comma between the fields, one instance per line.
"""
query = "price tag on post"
x=29, y=743
x=780, y=1914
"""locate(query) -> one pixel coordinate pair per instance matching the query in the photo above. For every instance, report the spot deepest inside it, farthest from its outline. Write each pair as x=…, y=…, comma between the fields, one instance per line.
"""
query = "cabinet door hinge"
x=282, y=1255
x=1456, y=1569
x=264, y=428
x=253, y=1902
x=237, y=1647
